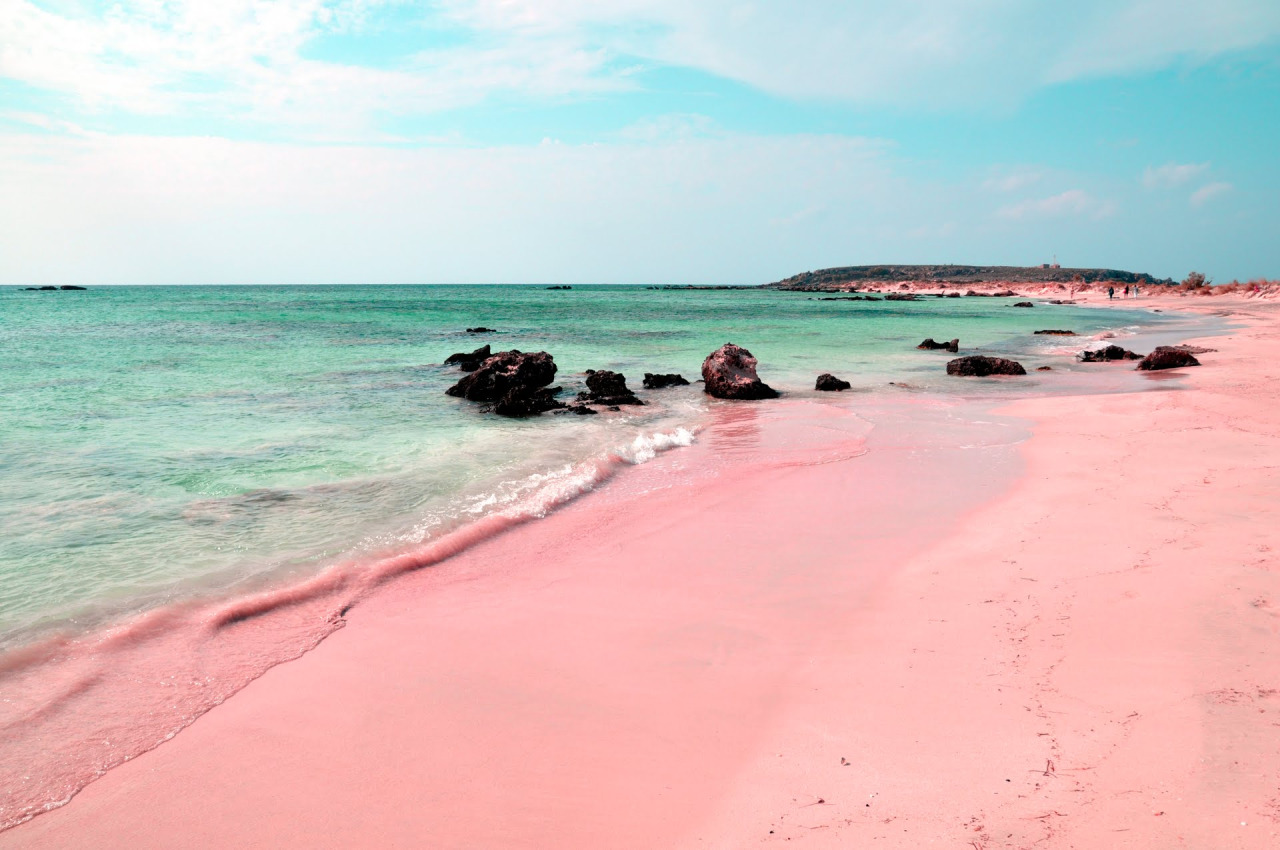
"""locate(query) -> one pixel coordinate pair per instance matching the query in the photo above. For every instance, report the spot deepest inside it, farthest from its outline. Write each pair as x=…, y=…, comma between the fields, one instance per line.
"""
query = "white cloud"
x=1206, y=193
x=1172, y=174
x=1073, y=202
x=248, y=57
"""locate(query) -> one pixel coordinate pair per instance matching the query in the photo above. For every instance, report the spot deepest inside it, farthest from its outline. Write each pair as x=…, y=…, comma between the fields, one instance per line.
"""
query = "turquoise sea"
x=157, y=441
x=198, y=483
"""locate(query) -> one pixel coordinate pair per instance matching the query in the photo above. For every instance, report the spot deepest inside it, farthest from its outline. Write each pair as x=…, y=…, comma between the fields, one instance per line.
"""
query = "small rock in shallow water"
x=1104, y=355
x=658, y=382
x=1167, y=357
x=830, y=383
x=929, y=345
x=980, y=366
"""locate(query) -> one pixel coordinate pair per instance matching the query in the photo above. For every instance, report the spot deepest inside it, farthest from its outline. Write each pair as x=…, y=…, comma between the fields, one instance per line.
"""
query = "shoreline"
x=737, y=784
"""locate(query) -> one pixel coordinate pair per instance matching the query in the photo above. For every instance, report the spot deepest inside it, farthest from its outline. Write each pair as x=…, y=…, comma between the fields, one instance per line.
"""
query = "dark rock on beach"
x=830, y=383
x=610, y=388
x=929, y=345
x=658, y=382
x=468, y=362
x=730, y=372
x=1057, y=333
x=515, y=380
x=980, y=366
x=1044, y=368
x=1167, y=357
x=1105, y=355
x=481, y=330
x=1004, y=293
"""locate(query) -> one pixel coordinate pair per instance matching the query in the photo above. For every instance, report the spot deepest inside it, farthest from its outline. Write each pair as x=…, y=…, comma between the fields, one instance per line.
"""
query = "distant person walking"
x=1135, y=290
x=1126, y=290
x=1111, y=292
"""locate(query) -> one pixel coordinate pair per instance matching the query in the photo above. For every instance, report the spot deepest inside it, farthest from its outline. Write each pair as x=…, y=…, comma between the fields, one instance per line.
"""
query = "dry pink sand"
x=1085, y=659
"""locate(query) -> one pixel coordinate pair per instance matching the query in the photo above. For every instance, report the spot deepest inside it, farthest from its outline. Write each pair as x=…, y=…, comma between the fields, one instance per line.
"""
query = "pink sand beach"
x=756, y=640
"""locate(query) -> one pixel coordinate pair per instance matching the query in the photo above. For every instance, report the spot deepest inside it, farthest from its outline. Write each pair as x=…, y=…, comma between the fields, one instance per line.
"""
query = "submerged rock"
x=481, y=330
x=468, y=362
x=730, y=372
x=520, y=403
x=830, y=383
x=605, y=387
x=901, y=296
x=1057, y=333
x=980, y=366
x=1104, y=355
x=929, y=345
x=515, y=380
x=1168, y=357
x=658, y=382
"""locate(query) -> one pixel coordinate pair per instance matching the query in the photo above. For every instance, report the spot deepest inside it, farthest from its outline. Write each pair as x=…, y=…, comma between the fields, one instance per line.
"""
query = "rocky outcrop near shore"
x=1168, y=357
x=1055, y=333
x=929, y=345
x=469, y=362
x=515, y=382
x=1104, y=355
x=980, y=366
x=607, y=388
x=830, y=383
x=730, y=372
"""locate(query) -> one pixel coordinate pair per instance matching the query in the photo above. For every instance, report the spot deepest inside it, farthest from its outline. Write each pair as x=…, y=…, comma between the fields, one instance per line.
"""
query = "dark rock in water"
x=901, y=296
x=521, y=403
x=974, y=294
x=66, y=288
x=1004, y=293
x=1105, y=355
x=563, y=287
x=1167, y=357
x=929, y=345
x=1044, y=368
x=481, y=330
x=605, y=387
x=979, y=366
x=1024, y=304
x=468, y=362
x=730, y=372
x=953, y=295
x=513, y=379
x=658, y=382
x=1057, y=333
x=41, y=288
x=830, y=383
x=582, y=410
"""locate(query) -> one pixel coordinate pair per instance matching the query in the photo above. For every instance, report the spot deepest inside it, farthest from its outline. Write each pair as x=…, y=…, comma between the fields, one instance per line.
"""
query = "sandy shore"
x=758, y=640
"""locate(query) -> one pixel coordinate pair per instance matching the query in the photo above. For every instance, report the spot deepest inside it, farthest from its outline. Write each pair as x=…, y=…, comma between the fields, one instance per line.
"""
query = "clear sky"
x=632, y=141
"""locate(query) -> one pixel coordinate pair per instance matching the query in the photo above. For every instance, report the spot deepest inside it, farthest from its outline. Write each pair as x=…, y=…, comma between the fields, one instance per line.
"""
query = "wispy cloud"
x=1011, y=181
x=1208, y=192
x=1172, y=174
x=1073, y=202
x=249, y=59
